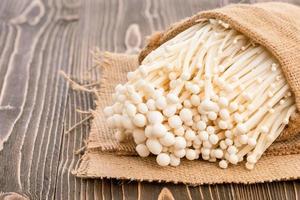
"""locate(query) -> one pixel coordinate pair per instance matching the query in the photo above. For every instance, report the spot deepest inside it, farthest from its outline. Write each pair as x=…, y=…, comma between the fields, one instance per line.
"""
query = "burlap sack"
x=273, y=25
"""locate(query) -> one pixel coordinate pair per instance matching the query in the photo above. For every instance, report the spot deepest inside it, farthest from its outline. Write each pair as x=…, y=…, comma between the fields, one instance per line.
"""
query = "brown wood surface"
x=37, y=39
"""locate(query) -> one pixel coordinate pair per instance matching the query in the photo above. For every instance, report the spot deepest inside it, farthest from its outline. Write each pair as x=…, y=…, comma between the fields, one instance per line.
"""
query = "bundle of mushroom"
x=208, y=93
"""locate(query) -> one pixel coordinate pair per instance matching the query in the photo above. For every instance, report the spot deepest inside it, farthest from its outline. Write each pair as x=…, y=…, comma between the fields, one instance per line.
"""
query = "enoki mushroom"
x=209, y=92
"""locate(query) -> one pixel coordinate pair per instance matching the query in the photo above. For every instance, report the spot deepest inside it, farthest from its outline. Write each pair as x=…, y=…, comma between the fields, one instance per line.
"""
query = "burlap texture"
x=105, y=157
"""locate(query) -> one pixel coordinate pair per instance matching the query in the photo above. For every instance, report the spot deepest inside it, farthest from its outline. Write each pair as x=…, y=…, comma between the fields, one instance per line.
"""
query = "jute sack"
x=276, y=26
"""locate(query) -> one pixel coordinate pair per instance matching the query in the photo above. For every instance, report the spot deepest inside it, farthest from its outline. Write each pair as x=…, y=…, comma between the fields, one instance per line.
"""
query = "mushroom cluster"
x=209, y=92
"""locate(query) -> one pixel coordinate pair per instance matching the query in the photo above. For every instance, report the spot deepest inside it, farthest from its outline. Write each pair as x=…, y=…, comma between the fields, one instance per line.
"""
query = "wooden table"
x=39, y=38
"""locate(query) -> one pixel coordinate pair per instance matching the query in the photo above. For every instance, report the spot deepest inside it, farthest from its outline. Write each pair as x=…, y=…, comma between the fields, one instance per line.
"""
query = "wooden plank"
x=39, y=38
x=39, y=44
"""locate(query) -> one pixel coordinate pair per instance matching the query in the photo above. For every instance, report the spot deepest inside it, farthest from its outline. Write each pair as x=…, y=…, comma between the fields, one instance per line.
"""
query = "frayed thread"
x=79, y=123
x=76, y=86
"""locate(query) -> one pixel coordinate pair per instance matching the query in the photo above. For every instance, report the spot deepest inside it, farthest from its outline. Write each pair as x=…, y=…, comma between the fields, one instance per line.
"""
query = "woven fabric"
x=105, y=165
x=106, y=158
x=265, y=24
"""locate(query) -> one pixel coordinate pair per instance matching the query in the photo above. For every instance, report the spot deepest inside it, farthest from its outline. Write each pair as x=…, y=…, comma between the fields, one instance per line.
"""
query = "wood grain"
x=37, y=39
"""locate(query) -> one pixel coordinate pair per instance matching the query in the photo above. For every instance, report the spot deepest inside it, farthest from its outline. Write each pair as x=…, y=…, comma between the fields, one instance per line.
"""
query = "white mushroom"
x=163, y=159
x=209, y=93
x=142, y=150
